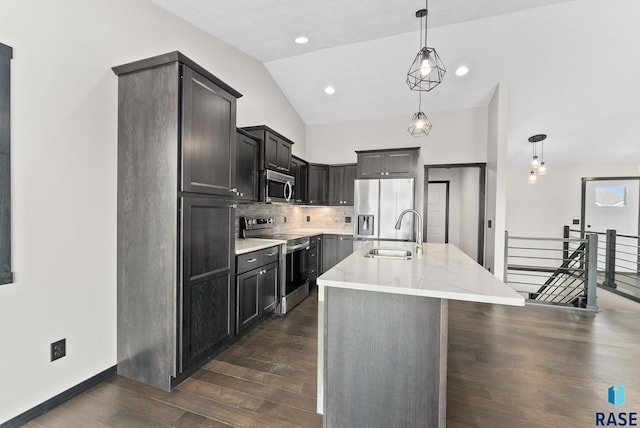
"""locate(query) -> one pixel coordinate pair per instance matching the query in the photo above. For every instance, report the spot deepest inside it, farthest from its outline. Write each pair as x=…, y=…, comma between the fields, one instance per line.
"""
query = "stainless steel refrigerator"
x=377, y=206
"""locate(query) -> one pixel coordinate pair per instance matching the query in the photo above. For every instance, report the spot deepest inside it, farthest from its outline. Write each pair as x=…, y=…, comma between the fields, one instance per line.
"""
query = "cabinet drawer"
x=269, y=255
x=256, y=259
x=248, y=261
x=313, y=241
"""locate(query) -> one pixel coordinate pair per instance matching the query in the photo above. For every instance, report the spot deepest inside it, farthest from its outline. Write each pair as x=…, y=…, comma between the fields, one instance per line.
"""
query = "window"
x=611, y=196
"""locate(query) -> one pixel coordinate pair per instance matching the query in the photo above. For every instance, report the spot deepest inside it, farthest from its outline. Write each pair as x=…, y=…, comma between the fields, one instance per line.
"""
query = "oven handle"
x=291, y=249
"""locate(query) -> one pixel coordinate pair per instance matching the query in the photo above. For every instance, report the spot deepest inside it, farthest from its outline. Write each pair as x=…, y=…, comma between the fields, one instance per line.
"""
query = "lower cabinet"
x=207, y=306
x=256, y=286
x=335, y=248
x=314, y=258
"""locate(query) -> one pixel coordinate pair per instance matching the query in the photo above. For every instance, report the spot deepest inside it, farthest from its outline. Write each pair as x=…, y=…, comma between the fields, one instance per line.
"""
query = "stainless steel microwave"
x=279, y=187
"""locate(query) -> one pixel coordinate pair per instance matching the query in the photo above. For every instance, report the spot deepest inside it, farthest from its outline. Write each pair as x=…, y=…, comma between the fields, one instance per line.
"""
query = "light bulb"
x=533, y=179
x=535, y=163
x=542, y=168
x=425, y=66
x=420, y=124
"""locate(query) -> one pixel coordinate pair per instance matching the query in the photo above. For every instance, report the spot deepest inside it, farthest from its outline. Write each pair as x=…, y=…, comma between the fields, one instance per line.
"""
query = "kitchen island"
x=382, y=332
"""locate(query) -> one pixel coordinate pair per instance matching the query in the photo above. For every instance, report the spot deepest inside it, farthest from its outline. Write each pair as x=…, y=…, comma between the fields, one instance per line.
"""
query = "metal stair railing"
x=618, y=269
x=555, y=271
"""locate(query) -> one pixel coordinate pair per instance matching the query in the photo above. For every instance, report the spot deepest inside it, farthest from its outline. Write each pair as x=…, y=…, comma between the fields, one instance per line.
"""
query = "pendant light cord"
x=426, y=16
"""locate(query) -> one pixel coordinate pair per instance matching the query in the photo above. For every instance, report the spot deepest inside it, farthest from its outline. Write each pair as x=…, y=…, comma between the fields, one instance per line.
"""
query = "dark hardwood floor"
x=508, y=367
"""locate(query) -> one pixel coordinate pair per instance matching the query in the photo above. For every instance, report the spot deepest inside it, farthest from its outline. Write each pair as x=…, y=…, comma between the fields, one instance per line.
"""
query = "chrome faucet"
x=419, y=234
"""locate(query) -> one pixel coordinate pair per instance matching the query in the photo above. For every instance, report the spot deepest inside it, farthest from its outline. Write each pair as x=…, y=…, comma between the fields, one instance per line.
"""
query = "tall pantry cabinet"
x=176, y=154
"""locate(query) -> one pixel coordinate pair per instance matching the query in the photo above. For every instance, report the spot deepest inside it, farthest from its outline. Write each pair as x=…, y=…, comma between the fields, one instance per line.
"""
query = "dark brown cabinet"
x=318, y=189
x=393, y=163
x=6, y=275
x=300, y=171
x=256, y=286
x=247, y=166
x=314, y=257
x=208, y=135
x=335, y=248
x=207, y=310
x=276, y=148
x=176, y=213
x=341, y=182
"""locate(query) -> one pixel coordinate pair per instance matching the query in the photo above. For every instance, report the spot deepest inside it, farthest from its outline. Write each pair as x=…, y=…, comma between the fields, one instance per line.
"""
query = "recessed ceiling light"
x=301, y=40
x=329, y=90
x=462, y=70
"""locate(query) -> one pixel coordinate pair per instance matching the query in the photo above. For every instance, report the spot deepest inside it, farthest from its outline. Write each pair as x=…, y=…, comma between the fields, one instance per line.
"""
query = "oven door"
x=297, y=269
x=279, y=187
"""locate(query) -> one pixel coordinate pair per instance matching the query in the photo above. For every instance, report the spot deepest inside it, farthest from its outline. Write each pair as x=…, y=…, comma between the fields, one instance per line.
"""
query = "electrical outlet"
x=347, y=219
x=58, y=349
x=308, y=218
x=576, y=221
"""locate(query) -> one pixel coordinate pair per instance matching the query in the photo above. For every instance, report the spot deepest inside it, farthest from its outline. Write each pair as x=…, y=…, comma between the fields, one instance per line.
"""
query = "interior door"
x=438, y=212
x=614, y=204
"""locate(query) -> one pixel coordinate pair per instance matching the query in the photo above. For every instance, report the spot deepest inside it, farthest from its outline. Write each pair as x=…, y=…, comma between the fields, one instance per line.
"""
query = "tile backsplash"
x=328, y=218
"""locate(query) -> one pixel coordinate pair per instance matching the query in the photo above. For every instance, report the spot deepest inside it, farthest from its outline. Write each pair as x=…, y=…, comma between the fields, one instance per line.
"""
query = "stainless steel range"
x=293, y=274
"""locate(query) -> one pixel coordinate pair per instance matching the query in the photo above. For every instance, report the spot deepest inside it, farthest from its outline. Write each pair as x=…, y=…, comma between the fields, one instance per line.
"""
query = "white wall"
x=64, y=122
x=498, y=114
x=457, y=137
x=542, y=209
x=469, y=210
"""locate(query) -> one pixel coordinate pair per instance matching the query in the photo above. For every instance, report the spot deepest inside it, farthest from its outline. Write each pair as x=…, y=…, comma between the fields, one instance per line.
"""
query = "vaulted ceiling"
x=572, y=66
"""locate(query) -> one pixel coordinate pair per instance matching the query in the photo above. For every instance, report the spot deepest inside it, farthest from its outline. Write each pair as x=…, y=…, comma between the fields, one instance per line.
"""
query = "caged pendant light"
x=420, y=126
x=427, y=70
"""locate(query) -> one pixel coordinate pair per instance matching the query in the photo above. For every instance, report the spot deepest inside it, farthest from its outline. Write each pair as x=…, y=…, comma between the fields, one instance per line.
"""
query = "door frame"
x=584, y=195
x=482, y=191
x=446, y=211
x=583, y=202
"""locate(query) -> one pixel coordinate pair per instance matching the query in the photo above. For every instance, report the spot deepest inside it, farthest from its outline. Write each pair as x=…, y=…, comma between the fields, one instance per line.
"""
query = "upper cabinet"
x=393, y=163
x=299, y=171
x=247, y=166
x=277, y=148
x=208, y=135
x=341, y=178
x=6, y=276
x=318, y=187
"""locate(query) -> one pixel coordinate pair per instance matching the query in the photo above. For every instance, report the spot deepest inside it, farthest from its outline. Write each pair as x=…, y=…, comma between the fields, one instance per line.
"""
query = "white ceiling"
x=572, y=66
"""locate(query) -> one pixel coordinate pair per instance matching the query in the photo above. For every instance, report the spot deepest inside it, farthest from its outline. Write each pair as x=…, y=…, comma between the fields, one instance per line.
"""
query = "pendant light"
x=538, y=167
x=427, y=70
x=420, y=126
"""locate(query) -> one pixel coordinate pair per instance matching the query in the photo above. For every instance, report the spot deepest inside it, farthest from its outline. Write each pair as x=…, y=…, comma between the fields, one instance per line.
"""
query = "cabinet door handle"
x=252, y=260
x=270, y=254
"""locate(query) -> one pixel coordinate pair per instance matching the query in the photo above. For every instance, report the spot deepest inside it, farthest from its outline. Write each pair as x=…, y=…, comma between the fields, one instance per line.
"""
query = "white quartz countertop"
x=312, y=232
x=248, y=245
x=443, y=271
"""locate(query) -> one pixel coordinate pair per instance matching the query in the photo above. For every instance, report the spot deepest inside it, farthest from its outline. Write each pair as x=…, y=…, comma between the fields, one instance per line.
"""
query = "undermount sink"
x=389, y=253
